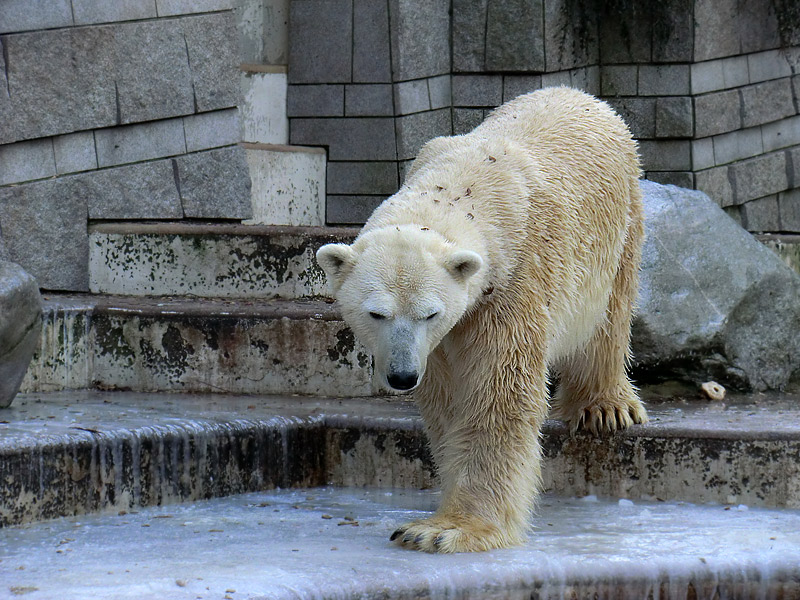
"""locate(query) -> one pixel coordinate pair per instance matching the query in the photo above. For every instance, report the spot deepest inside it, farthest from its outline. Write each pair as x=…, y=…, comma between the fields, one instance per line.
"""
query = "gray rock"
x=515, y=36
x=714, y=302
x=20, y=326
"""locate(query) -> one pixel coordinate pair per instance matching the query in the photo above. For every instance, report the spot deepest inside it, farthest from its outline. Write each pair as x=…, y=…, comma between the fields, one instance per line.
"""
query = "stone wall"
x=710, y=88
x=112, y=111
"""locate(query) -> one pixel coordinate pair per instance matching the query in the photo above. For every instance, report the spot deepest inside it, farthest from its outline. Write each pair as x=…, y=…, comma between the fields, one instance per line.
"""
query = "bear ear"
x=336, y=260
x=463, y=264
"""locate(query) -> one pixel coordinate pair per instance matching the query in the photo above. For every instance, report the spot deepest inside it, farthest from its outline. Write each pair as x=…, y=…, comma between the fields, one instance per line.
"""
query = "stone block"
x=440, y=91
x=716, y=30
x=53, y=91
x=570, y=34
x=768, y=101
x=153, y=75
x=263, y=108
x=586, y=79
x=477, y=90
x=370, y=138
x=735, y=71
x=469, y=35
x=171, y=8
x=781, y=134
x=352, y=178
x=720, y=74
x=132, y=143
x=716, y=183
x=625, y=34
x=758, y=177
x=25, y=161
x=761, y=215
x=638, y=113
x=320, y=41
x=793, y=166
x=619, y=80
x=44, y=229
x=702, y=154
x=759, y=25
x=683, y=179
x=288, y=185
x=211, y=41
x=666, y=155
x=415, y=130
x=674, y=117
x=707, y=77
x=369, y=100
x=515, y=39
x=214, y=184
x=87, y=12
x=351, y=210
x=516, y=85
x=75, y=152
x=420, y=36
x=466, y=119
x=411, y=97
x=263, y=27
x=789, y=207
x=403, y=168
x=556, y=79
x=371, y=42
x=664, y=80
x=141, y=191
x=715, y=113
x=673, y=32
x=24, y=15
x=315, y=101
x=737, y=145
x=211, y=129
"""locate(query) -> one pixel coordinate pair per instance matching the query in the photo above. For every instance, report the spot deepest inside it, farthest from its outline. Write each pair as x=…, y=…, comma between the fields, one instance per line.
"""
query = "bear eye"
x=431, y=316
x=377, y=316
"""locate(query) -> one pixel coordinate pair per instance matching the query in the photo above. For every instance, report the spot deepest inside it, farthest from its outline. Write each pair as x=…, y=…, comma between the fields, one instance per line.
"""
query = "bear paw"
x=603, y=417
x=446, y=536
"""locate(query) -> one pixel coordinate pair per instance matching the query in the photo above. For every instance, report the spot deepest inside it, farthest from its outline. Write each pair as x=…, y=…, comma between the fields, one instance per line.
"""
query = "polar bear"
x=508, y=252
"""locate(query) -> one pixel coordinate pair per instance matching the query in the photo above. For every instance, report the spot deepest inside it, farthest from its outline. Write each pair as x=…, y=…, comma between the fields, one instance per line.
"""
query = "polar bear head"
x=401, y=289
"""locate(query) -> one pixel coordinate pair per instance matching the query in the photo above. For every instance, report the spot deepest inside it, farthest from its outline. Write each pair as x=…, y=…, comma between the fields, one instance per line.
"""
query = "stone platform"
x=328, y=543
x=72, y=453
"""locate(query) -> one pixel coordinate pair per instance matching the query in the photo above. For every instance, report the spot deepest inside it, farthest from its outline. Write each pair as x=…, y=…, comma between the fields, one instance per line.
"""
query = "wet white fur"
x=523, y=237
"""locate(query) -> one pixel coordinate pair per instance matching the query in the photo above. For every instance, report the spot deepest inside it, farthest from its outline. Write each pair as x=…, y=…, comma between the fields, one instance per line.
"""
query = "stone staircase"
x=235, y=309
x=153, y=495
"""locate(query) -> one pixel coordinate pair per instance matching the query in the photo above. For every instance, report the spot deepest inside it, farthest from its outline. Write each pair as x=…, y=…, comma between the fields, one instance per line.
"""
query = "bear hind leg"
x=595, y=392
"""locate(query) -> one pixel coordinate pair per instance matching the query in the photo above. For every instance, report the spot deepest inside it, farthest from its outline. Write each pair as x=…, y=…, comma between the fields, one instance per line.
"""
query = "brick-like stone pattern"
x=114, y=110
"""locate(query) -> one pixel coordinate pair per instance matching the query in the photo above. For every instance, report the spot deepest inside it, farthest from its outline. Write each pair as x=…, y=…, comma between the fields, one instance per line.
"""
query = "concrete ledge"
x=165, y=344
x=111, y=451
x=209, y=260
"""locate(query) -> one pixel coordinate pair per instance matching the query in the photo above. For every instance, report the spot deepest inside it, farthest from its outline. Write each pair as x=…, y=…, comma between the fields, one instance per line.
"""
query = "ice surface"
x=333, y=543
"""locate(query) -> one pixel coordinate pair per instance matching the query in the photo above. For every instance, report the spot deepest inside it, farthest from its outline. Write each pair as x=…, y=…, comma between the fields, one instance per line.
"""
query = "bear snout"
x=403, y=380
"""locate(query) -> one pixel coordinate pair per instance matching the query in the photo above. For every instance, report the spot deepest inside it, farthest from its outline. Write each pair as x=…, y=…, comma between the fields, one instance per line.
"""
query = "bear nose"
x=405, y=380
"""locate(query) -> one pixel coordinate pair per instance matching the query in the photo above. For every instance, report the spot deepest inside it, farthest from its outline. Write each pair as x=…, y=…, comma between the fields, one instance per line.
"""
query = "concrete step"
x=79, y=452
x=180, y=344
x=209, y=260
x=334, y=543
x=786, y=245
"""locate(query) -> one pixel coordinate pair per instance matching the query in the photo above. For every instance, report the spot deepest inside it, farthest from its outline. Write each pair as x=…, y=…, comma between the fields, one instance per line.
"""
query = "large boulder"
x=714, y=303
x=20, y=325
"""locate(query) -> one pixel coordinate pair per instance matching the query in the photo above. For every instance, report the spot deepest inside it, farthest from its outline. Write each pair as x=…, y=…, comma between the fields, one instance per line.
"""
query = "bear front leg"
x=489, y=459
